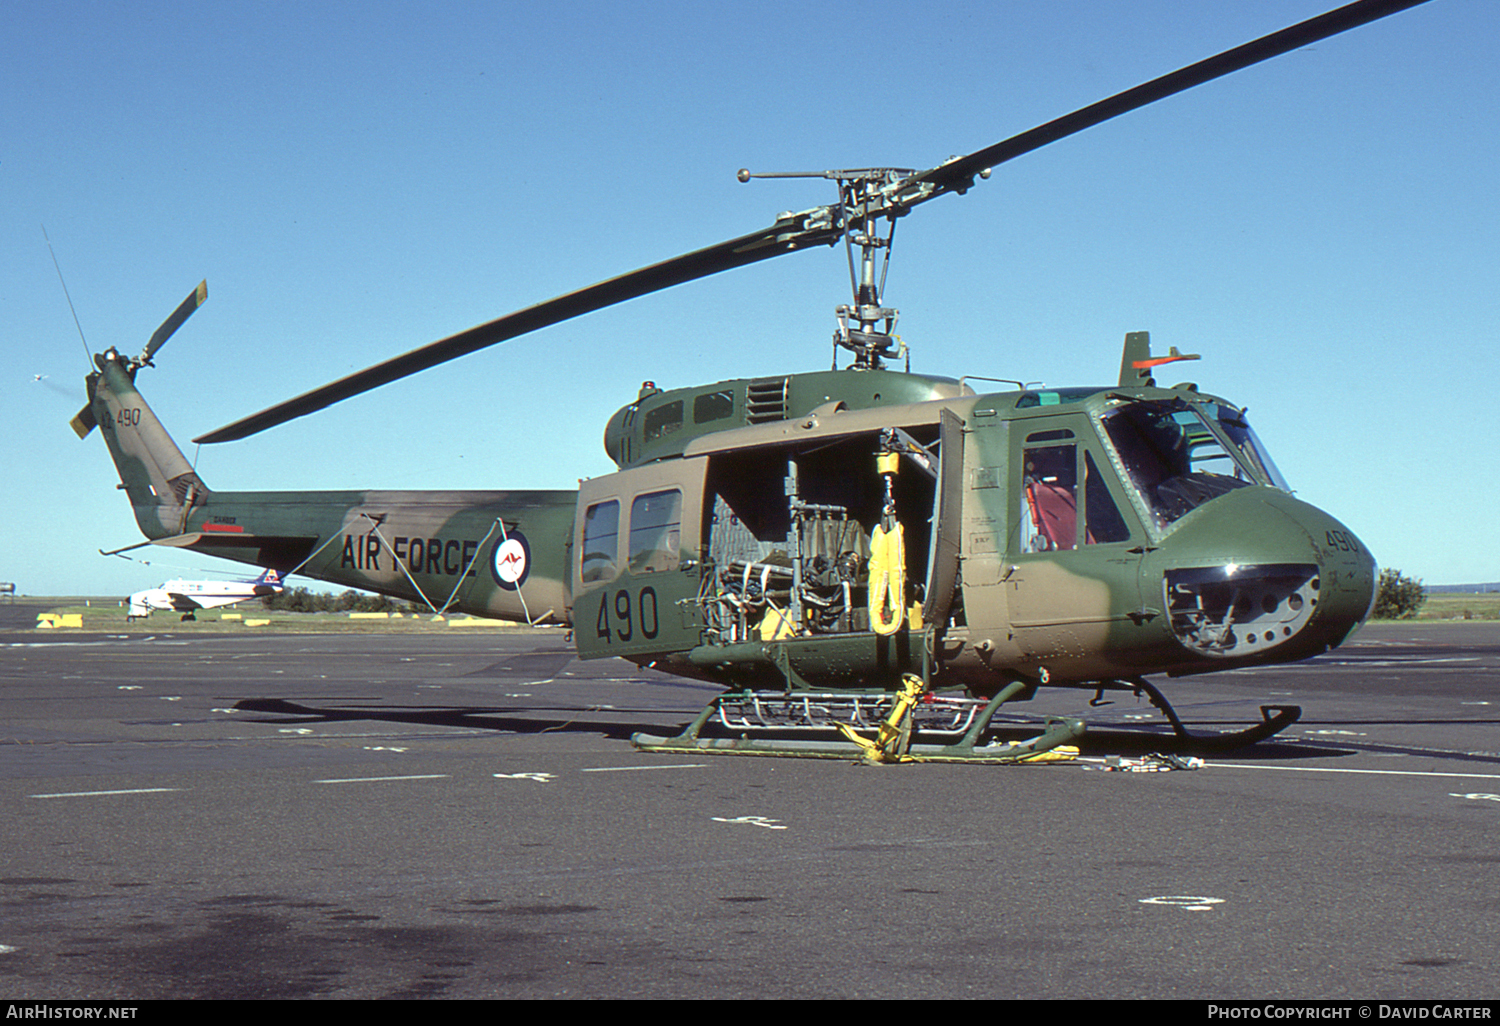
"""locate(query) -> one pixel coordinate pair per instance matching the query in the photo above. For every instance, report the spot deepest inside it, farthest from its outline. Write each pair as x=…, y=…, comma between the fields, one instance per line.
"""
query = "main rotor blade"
x=823, y=225
x=782, y=237
x=184, y=310
x=957, y=174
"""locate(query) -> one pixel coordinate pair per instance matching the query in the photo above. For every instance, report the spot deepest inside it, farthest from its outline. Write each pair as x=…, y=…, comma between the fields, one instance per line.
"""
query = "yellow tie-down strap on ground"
x=894, y=738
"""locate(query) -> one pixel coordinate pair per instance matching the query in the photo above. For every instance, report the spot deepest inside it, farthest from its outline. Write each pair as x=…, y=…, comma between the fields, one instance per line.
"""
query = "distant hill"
x=1465, y=589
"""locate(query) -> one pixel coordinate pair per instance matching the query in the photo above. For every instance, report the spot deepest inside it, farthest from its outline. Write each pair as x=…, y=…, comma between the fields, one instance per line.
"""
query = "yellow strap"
x=887, y=580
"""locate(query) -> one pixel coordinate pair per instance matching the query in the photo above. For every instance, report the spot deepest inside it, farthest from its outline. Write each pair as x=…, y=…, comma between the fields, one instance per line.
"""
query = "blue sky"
x=358, y=179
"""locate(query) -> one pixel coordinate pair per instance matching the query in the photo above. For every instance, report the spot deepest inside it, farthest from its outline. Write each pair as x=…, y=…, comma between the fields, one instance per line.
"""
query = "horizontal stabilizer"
x=281, y=553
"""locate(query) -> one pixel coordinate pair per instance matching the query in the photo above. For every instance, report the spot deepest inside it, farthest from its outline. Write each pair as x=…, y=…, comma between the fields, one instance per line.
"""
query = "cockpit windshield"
x=1237, y=429
x=1179, y=455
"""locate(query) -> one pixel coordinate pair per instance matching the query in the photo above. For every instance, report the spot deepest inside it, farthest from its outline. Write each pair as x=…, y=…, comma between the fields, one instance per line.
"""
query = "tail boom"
x=162, y=485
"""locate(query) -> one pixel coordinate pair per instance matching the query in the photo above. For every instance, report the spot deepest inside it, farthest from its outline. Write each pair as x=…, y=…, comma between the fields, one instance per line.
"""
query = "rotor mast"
x=869, y=345
x=865, y=327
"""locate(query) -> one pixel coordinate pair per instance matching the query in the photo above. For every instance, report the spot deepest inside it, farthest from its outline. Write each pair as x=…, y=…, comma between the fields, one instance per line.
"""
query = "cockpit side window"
x=1049, y=499
x=1050, y=502
x=1104, y=522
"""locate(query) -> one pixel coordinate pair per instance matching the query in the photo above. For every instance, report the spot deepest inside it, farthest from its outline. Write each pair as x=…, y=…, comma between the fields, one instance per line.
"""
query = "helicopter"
x=852, y=552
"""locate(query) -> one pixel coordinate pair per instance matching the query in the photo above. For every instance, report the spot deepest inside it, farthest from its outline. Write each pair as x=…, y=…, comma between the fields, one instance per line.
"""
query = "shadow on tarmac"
x=585, y=720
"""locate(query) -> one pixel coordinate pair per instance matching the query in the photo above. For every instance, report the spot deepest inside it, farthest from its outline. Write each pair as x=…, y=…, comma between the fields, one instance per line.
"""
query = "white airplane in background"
x=187, y=597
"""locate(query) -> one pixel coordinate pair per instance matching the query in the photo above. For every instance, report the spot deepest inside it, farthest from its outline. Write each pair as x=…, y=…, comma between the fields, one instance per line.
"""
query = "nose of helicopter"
x=1258, y=574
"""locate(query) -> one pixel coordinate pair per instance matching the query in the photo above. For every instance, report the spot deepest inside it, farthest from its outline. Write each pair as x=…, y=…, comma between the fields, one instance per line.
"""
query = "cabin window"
x=712, y=406
x=601, y=542
x=663, y=420
x=655, y=531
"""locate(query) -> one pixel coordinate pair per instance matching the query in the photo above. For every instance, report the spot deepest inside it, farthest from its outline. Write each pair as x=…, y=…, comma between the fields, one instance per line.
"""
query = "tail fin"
x=267, y=584
x=162, y=485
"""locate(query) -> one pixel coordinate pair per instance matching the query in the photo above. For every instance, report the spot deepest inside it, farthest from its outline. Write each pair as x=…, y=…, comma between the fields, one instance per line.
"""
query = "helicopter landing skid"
x=1274, y=719
x=894, y=718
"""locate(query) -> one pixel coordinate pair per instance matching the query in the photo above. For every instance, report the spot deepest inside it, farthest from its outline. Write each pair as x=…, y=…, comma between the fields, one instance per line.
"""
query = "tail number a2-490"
x=620, y=616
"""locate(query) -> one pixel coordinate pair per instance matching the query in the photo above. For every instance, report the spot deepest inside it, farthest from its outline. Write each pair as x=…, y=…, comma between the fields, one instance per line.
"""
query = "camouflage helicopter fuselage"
x=1069, y=536
x=824, y=534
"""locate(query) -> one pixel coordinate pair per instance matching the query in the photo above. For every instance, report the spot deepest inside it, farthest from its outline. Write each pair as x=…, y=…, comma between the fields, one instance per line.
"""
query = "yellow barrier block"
x=59, y=619
x=231, y=616
x=369, y=616
x=476, y=621
x=256, y=623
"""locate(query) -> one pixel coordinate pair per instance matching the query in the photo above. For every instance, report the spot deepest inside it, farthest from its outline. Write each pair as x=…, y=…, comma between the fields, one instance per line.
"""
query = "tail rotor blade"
x=185, y=309
x=84, y=422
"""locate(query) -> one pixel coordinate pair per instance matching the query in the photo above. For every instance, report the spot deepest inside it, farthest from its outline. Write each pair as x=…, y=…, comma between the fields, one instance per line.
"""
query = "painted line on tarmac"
x=372, y=780
x=1333, y=769
x=96, y=794
x=626, y=769
x=415, y=735
x=1379, y=661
